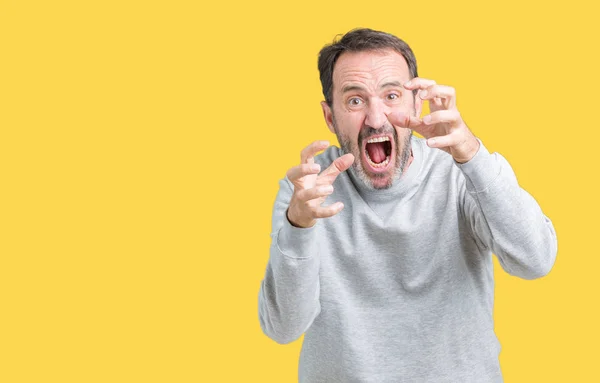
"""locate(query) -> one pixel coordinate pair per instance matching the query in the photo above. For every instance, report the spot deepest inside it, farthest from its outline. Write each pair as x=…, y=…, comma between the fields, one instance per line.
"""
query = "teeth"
x=378, y=139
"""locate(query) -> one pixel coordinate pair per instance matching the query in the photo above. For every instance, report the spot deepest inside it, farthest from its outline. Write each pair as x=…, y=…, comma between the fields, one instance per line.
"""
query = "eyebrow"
x=350, y=88
x=391, y=83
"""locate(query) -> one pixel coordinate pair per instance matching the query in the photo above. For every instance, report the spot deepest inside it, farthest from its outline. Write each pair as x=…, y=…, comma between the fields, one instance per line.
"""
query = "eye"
x=393, y=96
x=354, y=101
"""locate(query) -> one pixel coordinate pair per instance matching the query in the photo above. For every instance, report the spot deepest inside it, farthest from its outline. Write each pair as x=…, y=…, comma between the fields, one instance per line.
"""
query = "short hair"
x=360, y=40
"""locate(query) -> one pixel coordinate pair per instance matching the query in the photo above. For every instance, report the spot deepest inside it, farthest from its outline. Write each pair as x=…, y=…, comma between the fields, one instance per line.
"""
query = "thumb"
x=339, y=165
x=404, y=120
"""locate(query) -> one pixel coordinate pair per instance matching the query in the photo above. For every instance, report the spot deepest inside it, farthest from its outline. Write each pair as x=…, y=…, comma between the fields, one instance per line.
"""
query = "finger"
x=328, y=211
x=418, y=83
x=437, y=104
x=408, y=121
x=451, y=139
x=442, y=116
x=447, y=93
x=314, y=193
x=308, y=153
x=302, y=170
x=403, y=120
x=339, y=165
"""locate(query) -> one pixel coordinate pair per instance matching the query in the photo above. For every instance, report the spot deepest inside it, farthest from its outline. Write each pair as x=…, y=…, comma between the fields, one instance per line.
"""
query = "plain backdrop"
x=141, y=144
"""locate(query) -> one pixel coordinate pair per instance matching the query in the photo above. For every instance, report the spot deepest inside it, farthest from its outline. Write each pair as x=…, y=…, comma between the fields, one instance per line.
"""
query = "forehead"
x=369, y=68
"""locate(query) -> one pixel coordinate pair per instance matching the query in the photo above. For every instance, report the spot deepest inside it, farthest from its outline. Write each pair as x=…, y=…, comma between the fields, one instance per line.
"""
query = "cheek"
x=403, y=135
x=350, y=121
x=405, y=105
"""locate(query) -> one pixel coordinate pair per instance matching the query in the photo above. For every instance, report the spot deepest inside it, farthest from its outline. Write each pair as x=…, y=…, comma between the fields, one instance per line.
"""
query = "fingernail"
x=431, y=142
x=324, y=143
x=427, y=119
x=315, y=167
x=423, y=93
x=407, y=83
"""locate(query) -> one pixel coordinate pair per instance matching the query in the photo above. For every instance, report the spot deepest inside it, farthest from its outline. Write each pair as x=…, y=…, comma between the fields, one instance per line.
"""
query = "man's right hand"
x=311, y=188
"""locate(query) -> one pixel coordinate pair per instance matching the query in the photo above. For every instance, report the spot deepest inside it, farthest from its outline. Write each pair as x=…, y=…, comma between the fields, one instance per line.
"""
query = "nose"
x=376, y=114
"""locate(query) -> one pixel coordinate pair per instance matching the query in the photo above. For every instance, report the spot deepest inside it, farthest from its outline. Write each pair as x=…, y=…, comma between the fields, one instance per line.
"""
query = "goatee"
x=403, y=151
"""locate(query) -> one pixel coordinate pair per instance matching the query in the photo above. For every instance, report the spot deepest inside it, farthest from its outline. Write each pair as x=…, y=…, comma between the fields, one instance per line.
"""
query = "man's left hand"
x=444, y=127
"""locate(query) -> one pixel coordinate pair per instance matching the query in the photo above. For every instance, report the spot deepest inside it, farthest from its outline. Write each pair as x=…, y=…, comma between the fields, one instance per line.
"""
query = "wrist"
x=299, y=223
x=472, y=147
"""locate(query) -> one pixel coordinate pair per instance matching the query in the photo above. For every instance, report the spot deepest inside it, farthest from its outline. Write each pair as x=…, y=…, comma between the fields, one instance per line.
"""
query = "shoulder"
x=436, y=163
x=433, y=159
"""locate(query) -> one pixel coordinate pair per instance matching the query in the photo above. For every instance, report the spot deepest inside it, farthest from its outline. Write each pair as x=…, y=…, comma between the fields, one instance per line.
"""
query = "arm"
x=288, y=300
x=505, y=218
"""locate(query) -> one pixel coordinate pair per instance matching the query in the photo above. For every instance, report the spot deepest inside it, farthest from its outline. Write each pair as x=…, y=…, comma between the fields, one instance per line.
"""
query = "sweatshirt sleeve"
x=505, y=218
x=288, y=300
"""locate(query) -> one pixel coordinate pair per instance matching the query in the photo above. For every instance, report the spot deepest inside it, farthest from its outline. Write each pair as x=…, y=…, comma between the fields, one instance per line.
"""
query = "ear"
x=328, y=114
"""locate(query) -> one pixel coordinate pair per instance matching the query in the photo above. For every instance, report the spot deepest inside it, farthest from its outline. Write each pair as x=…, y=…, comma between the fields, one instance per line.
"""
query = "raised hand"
x=311, y=188
x=444, y=127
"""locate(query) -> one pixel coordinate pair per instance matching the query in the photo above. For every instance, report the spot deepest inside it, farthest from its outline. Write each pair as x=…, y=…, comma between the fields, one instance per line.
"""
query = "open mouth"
x=378, y=151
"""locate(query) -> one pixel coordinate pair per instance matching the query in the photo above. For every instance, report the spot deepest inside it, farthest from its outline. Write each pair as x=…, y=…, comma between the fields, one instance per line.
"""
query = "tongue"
x=376, y=152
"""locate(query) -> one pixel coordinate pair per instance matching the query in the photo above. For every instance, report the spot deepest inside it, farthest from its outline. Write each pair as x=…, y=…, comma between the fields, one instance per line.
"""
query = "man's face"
x=366, y=87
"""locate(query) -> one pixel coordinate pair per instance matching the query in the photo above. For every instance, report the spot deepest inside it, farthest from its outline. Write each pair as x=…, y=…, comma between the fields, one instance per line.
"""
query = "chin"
x=380, y=184
x=376, y=181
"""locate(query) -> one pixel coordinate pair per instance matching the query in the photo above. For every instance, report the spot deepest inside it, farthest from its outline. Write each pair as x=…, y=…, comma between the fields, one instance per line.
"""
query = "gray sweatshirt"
x=399, y=286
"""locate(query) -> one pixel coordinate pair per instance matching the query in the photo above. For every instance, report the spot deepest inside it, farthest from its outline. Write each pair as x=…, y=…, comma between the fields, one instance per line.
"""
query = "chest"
x=419, y=247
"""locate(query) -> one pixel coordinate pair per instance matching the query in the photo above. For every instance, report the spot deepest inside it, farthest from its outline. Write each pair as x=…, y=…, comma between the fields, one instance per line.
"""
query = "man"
x=382, y=250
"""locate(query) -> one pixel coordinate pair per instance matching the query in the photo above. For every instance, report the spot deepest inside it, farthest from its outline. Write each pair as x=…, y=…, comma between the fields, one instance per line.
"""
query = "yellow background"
x=142, y=142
